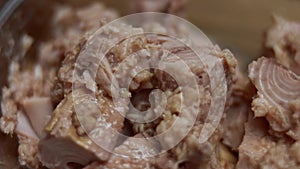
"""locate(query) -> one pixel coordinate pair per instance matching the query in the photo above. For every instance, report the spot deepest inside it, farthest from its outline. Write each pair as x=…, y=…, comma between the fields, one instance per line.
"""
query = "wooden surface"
x=240, y=24
x=235, y=24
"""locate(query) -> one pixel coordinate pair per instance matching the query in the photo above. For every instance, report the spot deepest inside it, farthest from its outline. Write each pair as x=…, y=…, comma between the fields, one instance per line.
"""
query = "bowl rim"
x=7, y=9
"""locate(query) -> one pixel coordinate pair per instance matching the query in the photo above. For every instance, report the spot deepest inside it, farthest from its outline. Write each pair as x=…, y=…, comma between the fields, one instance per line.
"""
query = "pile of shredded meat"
x=59, y=113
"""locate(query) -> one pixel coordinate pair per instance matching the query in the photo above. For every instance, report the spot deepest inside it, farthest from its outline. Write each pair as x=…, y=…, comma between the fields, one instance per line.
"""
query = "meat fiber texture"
x=272, y=131
x=26, y=103
x=39, y=107
x=55, y=120
x=120, y=64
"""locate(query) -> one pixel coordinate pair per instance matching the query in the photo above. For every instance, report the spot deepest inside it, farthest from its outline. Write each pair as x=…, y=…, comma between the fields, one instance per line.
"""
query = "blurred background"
x=238, y=25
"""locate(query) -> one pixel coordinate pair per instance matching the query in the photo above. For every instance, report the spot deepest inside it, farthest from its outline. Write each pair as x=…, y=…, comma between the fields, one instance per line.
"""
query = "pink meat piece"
x=282, y=42
x=260, y=150
x=39, y=110
x=278, y=96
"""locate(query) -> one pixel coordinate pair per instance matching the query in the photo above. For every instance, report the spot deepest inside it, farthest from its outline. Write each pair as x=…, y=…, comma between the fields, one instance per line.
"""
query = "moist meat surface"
x=60, y=109
x=282, y=42
x=26, y=103
x=272, y=132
